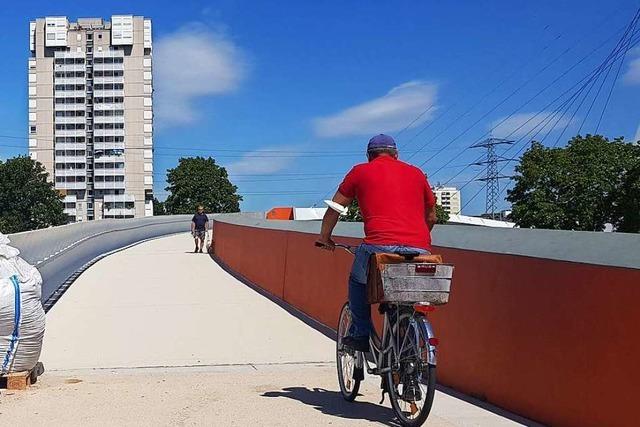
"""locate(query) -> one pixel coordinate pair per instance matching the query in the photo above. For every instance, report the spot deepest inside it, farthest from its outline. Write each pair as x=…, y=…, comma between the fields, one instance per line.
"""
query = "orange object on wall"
x=280, y=213
x=553, y=341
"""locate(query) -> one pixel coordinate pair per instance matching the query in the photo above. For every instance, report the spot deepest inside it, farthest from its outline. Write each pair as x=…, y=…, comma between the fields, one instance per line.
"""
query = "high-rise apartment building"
x=91, y=113
x=448, y=198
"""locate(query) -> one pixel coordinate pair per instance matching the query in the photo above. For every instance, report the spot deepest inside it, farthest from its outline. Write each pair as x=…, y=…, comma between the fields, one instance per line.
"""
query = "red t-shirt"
x=393, y=198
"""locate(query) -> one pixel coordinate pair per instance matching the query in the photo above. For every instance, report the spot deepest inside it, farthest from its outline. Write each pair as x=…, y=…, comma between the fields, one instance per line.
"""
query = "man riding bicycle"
x=398, y=210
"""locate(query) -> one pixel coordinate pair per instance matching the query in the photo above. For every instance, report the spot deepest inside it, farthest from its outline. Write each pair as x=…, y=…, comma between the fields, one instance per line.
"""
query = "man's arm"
x=431, y=217
x=430, y=205
x=330, y=220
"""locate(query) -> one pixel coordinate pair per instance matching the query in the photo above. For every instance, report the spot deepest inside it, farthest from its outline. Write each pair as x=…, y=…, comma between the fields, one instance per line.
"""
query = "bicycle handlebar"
x=348, y=248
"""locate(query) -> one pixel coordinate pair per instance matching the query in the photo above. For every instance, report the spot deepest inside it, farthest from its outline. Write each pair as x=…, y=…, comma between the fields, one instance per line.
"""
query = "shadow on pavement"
x=331, y=403
x=353, y=410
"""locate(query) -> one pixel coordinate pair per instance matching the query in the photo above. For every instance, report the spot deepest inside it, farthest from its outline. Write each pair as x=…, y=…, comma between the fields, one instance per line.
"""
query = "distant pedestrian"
x=199, y=228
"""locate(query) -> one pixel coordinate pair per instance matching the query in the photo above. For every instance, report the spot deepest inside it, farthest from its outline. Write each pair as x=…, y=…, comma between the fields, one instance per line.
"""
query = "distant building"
x=297, y=214
x=91, y=113
x=449, y=198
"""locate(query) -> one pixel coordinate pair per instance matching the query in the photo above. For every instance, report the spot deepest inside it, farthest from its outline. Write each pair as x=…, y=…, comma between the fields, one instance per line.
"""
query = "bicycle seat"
x=408, y=256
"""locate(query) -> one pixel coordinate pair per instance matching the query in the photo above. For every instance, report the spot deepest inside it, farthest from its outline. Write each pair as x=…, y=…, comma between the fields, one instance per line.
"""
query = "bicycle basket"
x=394, y=279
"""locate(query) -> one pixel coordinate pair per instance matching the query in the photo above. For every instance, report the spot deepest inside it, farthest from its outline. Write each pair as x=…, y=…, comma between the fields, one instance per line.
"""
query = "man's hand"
x=325, y=243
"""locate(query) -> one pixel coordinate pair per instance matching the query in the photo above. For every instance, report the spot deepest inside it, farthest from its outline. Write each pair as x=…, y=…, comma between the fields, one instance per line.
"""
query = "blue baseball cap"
x=380, y=142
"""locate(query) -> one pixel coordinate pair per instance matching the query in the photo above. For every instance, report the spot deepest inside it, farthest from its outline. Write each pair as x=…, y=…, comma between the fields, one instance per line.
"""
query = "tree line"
x=584, y=186
x=590, y=183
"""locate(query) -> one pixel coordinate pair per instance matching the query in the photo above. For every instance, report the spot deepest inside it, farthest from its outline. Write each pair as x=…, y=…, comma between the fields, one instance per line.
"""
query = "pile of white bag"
x=22, y=318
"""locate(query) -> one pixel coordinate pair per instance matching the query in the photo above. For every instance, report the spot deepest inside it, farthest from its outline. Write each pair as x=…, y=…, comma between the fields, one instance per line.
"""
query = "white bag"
x=22, y=318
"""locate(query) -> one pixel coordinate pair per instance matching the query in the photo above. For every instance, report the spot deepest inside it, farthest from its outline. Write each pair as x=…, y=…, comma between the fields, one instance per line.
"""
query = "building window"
x=32, y=129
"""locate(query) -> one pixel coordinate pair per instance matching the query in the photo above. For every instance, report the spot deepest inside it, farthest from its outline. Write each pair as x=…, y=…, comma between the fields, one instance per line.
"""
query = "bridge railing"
x=542, y=323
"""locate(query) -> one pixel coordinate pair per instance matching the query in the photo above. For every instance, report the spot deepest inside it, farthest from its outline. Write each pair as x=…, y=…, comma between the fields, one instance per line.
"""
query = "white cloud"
x=264, y=161
x=388, y=113
x=637, y=137
x=192, y=63
x=632, y=75
x=526, y=125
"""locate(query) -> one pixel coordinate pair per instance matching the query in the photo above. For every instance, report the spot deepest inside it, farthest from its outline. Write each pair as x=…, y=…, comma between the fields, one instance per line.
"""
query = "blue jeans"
x=360, y=310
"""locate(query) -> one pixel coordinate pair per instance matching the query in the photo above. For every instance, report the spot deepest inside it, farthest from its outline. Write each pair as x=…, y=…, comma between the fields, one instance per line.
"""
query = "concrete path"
x=155, y=336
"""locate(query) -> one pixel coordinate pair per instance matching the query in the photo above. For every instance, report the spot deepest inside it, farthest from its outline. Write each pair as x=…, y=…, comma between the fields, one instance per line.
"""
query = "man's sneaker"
x=195, y=251
x=358, y=344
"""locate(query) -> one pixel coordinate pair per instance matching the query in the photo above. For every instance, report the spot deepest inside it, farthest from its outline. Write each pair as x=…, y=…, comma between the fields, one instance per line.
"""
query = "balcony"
x=71, y=172
x=71, y=185
x=108, y=67
x=108, y=119
x=69, y=67
x=107, y=80
x=72, y=132
x=108, y=132
x=70, y=211
x=69, y=80
x=108, y=198
x=107, y=159
x=117, y=185
x=119, y=212
x=108, y=146
x=70, y=120
x=109, y=172
x=62, y=93
x=70, y=146
x=103, y=106
x=71, y=159
x=108, y=93
x=69, y=107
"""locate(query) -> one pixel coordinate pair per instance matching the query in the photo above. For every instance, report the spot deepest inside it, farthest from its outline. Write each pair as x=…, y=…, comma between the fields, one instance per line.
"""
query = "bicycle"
x=404, y=357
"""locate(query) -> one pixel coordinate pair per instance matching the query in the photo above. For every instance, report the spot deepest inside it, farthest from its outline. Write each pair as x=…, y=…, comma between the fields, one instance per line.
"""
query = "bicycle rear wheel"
x=412, y=380
x=347, y=359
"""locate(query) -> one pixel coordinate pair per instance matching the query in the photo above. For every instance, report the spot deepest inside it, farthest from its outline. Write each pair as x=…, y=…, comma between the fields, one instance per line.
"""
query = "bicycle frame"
x=379, y=352
x=389, y=343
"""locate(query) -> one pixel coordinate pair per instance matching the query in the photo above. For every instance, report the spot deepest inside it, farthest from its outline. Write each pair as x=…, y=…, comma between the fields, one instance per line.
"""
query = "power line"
x=543, y=69
x=587, y=78
x=626, y=46
x=519, y=107
x=615, y=79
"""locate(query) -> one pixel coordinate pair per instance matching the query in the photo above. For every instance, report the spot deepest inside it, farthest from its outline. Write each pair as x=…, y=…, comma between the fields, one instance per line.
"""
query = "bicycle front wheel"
x=412, y=380
x=347, y=359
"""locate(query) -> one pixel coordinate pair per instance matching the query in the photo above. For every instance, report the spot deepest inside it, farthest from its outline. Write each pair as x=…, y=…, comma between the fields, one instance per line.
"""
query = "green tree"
x=442, y=215
x=158, y=207
x=580, y=187
x=27, y=200
x=200, y=181
x=626, y=207
x=354, y=214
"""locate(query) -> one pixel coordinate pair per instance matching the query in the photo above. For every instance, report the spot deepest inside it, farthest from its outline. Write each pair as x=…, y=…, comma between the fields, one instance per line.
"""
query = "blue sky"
x=286, y=94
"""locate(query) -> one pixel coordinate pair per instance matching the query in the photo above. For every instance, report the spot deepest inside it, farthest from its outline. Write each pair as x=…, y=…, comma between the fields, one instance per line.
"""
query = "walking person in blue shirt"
x=199, y=228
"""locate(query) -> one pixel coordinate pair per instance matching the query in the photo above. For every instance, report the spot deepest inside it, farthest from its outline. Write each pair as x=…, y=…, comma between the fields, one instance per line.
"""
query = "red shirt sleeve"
x=349, y=185
x=429, y=198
